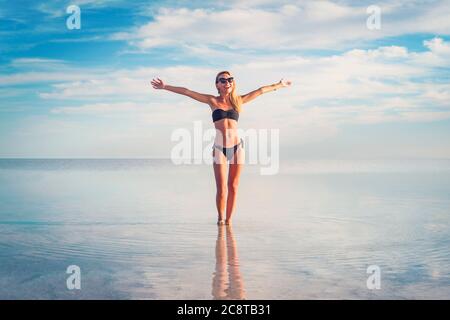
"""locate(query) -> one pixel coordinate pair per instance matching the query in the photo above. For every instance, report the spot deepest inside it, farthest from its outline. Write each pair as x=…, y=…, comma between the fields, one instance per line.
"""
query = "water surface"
x=145, y=229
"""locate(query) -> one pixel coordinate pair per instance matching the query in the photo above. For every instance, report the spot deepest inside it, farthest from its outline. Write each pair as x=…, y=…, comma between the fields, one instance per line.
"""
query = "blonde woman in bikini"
x=225, y=108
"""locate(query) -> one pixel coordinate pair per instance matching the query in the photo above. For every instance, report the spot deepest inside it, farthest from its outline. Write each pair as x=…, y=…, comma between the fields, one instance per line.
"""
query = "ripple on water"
x=112, y=242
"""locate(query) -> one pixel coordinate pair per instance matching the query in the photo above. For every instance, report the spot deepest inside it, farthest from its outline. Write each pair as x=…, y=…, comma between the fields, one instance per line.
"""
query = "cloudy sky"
x=357, y=92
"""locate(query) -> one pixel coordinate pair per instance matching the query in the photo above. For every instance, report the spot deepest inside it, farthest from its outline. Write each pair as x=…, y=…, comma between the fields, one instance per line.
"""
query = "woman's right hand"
x=158, y=83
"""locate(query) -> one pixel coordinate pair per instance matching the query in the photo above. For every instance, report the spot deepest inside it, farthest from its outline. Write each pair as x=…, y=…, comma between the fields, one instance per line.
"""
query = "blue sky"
x=356, y=92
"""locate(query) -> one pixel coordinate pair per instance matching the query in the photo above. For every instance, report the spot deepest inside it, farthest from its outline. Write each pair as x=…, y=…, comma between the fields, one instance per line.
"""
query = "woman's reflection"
x=227, y=283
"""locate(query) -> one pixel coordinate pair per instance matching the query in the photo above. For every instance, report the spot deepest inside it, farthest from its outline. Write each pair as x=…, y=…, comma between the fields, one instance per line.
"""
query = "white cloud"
x=358, y=86
x=146, y=114
x=99, y=108
x=297, y=25
x=375, y=86
x=56, y=9
x=28, y=61
x=438, y=46
x=131, y=84
x=38, y=70
x=437, y=94
x=42, y=77
x=38, y=63
x=51, y=9
x=44, y=136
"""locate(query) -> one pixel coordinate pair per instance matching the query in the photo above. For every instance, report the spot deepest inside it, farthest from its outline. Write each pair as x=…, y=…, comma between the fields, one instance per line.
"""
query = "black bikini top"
x=220, y=114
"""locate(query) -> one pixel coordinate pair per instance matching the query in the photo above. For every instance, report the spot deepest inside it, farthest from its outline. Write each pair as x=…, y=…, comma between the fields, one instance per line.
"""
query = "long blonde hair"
x=236, y=100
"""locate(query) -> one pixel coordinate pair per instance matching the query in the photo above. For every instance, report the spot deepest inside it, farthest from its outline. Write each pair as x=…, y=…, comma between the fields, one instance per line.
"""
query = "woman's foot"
x=228, y=222
x=220, y=222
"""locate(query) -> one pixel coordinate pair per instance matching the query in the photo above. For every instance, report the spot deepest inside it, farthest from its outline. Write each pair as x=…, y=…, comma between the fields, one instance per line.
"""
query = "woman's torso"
x=226, y=128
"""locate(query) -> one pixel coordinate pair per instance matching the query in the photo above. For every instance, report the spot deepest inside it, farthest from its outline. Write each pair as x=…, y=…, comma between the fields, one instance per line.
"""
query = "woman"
x=227, y=145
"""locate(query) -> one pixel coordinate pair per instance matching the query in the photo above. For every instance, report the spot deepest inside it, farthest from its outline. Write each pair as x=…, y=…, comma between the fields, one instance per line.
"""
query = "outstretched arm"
x=205, y=98
x=252, y=95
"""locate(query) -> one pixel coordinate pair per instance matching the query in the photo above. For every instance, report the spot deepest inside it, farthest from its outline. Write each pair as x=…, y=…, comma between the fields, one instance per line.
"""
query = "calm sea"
x=145, y=229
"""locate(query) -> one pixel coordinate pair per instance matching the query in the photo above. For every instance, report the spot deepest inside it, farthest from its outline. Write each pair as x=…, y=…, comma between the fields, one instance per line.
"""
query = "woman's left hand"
x=285, y=83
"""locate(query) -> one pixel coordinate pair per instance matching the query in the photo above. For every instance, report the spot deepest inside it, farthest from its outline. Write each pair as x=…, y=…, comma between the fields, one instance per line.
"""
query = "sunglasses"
x=224, y=80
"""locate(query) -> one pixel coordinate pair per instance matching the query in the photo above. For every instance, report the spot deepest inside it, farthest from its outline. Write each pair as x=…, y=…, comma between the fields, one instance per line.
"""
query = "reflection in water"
x=227, y=284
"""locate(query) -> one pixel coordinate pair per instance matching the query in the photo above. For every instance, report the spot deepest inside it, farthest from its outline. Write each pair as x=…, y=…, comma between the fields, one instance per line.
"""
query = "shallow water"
x=145, y=229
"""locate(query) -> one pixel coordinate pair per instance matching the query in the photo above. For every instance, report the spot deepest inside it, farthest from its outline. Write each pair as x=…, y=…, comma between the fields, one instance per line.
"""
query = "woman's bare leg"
x=234, y=173
x=220, y=173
